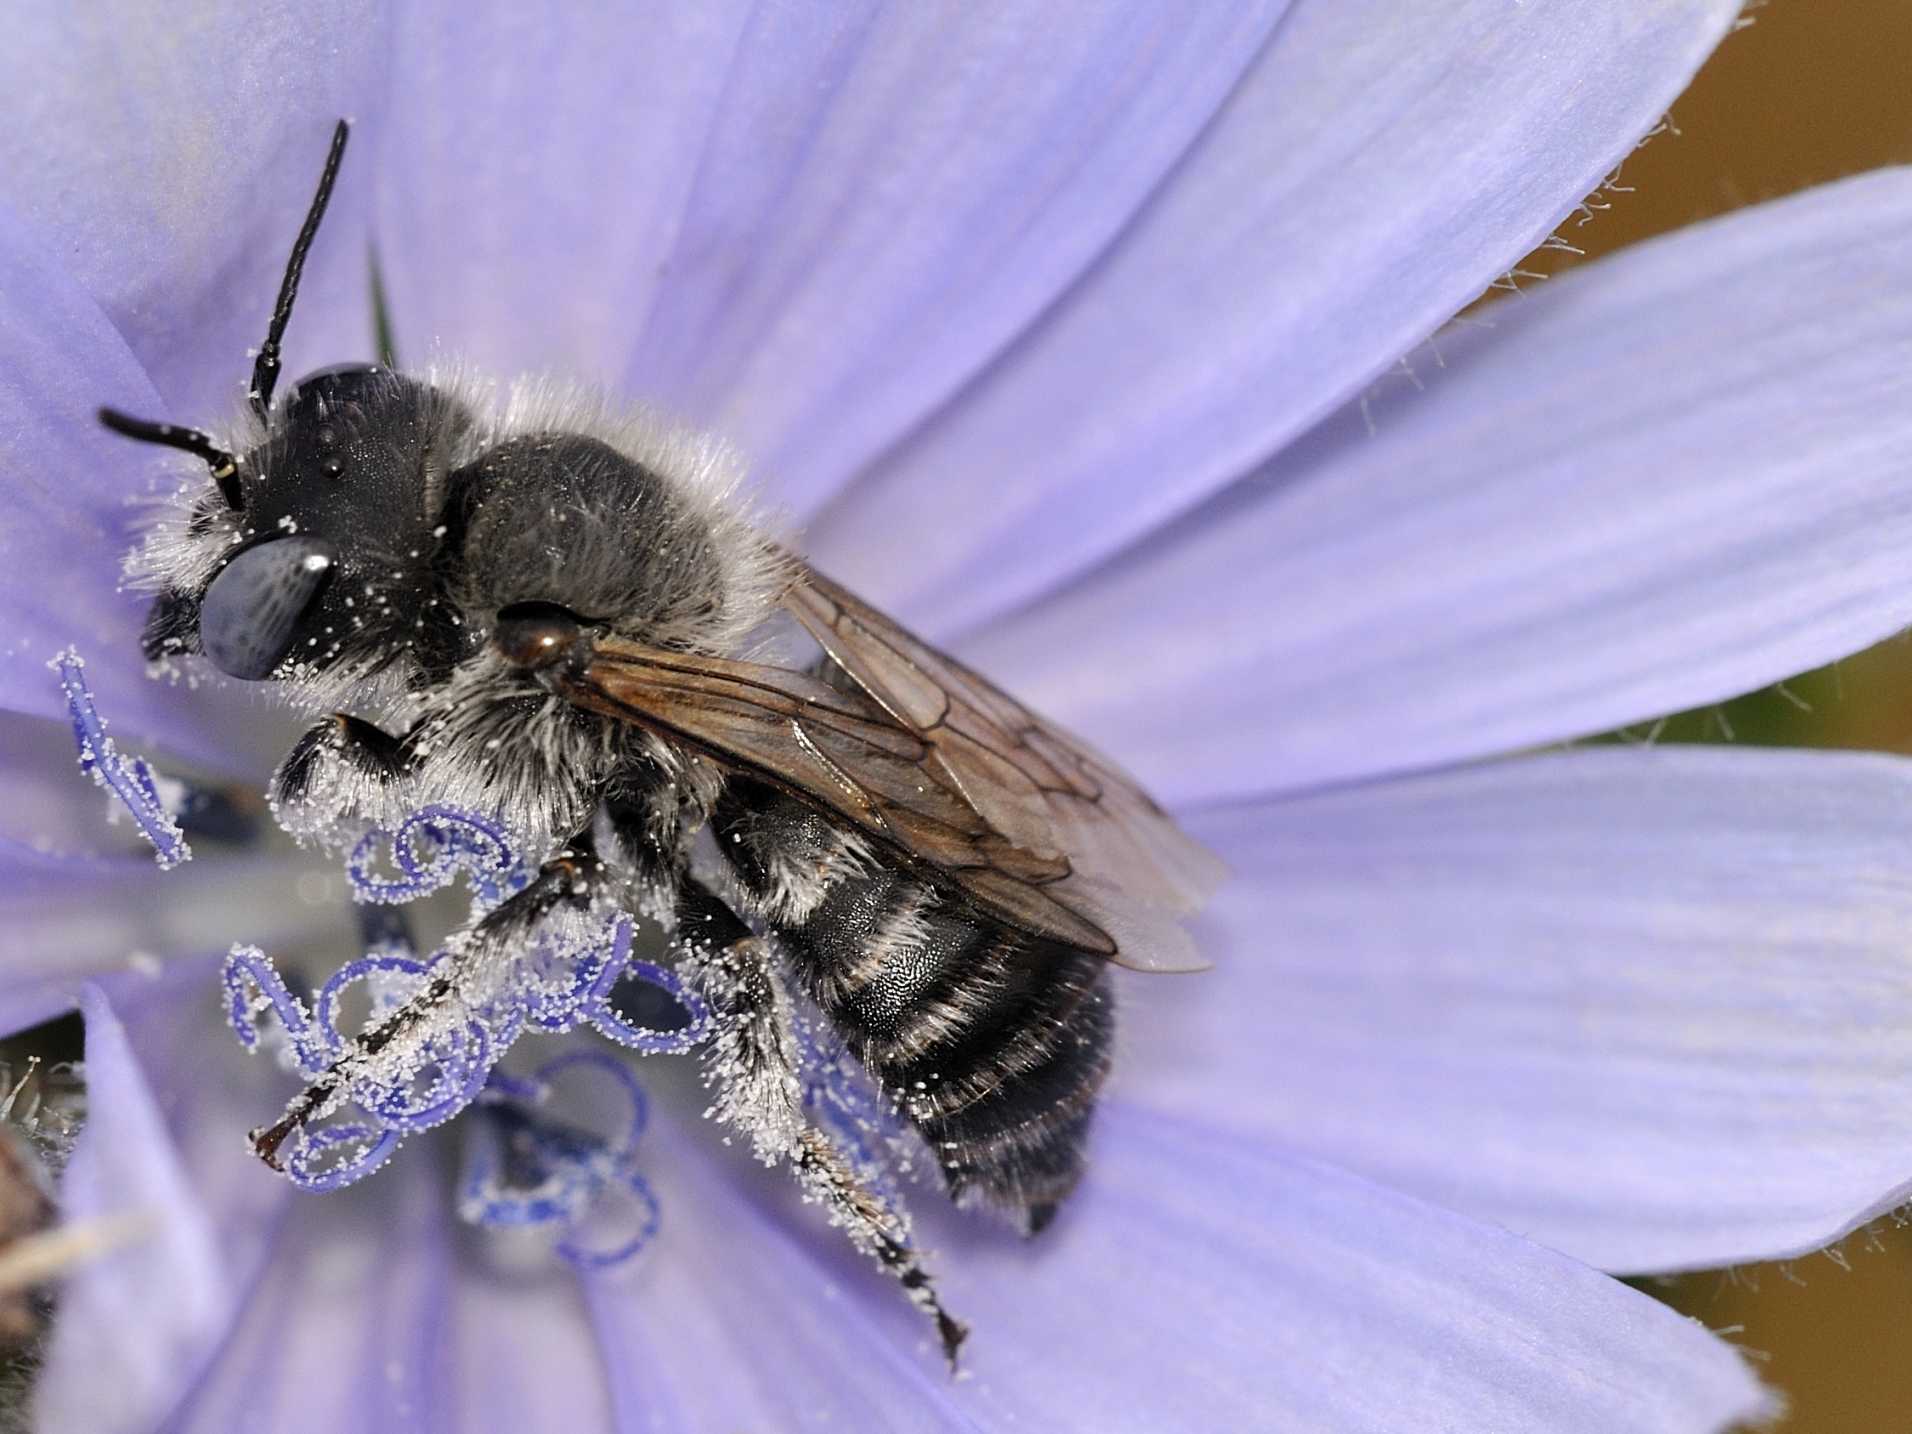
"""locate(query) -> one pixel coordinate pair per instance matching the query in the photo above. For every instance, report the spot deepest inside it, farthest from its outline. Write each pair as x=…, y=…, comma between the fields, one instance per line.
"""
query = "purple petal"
x=46, y=808
x=250, y=1305
x=1646, y=1007
x=1245, y=1290
x=1666, y=479
x=729, y=1322
x=28, y=1003
x=1379, y=167
x=1195, y=1283
x=838, y=272
x=803, y=225
x=167, y=156
x=161, y=1144
x=70, y=488
x=375, y=1315
x=66, y=919
x=528, y=246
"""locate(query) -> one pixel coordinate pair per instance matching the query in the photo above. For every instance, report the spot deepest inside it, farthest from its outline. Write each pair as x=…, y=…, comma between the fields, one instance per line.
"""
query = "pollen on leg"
x=436, y=1027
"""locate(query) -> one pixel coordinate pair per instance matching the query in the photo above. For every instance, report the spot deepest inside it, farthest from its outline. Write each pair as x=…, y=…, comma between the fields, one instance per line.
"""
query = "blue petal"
x=160, y=1146
x=167, y=154
x=1660, y=481
x=1195, y=1283
x=1650, y=1008
x=1252, y=1290
x=67, y=919
x=374, y=1316
x=1380, y=165
x=249, y=1305
x=71, y=490
x=803, y=225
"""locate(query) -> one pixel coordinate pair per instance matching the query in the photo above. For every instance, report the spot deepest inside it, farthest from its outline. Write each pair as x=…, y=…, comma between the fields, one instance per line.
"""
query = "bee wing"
x=841, y=753
x=1132, y=872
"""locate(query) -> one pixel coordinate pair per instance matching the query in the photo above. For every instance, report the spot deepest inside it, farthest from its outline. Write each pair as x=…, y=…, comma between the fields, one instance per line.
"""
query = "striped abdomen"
x=994, y=1043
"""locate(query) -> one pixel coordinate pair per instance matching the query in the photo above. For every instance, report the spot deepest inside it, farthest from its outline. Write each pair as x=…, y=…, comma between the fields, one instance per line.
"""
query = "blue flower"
x=1061, y=332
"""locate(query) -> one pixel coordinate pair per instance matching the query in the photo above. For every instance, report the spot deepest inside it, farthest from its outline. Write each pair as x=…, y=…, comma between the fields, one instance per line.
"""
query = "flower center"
x=526, y=1164
x=427, y=1038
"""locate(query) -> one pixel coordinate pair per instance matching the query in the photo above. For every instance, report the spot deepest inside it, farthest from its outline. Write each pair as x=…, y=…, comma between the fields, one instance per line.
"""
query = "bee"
x=573, y=622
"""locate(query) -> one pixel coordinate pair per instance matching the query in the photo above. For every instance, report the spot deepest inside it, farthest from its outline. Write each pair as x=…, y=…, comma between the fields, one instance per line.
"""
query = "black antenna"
x=225, y=468
x=265, y=370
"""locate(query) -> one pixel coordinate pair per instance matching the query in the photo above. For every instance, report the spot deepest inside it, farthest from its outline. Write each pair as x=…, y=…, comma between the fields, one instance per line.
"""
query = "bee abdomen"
x=993, y=1043
x=1007, y=1110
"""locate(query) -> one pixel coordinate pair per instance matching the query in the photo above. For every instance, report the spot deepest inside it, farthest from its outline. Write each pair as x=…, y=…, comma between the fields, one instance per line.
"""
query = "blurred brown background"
x=1810, y=91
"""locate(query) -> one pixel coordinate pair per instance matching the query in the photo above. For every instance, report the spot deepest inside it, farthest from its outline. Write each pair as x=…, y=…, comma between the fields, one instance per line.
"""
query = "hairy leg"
x=753, y=1064
x=571, y=878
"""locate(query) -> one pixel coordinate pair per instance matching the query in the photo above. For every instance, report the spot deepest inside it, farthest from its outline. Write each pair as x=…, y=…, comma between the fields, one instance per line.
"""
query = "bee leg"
x=368, y=750
x=325, y=1094
x=569, y=878
x=875, y=1227
x=753, y=1064
x=573, y=878
x=642, y=816
x=340, y=767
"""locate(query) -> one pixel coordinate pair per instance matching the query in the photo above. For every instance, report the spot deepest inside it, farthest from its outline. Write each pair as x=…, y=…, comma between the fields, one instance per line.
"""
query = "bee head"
x=325, y=528
x=339, y=518
x=332, y=522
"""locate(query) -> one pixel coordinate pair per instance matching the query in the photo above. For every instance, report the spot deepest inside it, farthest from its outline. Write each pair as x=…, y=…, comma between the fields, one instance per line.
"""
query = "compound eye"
x=249, y=617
